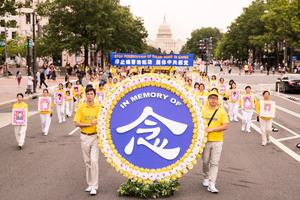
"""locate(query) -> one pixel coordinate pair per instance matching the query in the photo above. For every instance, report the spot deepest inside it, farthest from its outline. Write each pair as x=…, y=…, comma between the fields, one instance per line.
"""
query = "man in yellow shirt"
x=217, y=122
x=86, y=119
x=109, y=86
x=20, y=130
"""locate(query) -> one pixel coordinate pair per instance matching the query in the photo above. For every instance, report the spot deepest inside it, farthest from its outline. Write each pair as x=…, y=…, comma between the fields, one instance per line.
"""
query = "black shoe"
x=20, y=147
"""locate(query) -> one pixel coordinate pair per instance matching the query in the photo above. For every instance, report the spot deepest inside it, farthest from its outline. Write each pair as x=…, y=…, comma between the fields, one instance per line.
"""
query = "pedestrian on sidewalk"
x=86, y=119
x=69, y=100
x=46, y=115
x=265, y=122
x=60, y=108
x=29, y=84
x=247, y=108
x=48, y=70
x=53, y=74
x=232, y=104
x=67, y=77
x=37, y=78
x=246, y=68
x=217, y=122
x=261, y=68
x=42, y=79
x=20, y=130
x=19, y=77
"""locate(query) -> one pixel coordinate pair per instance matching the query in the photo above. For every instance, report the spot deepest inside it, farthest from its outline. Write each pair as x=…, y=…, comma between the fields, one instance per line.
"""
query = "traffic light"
x=201, y=43
x=6, y=33
x=284, y=43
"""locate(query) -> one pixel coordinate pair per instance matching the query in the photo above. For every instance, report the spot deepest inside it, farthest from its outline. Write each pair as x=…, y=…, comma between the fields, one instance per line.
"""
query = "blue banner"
x=130, y=59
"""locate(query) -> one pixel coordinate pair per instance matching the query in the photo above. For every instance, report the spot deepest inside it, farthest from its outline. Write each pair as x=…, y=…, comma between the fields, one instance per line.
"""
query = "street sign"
x=294, y=58
x=92, y=50
x=2, y=44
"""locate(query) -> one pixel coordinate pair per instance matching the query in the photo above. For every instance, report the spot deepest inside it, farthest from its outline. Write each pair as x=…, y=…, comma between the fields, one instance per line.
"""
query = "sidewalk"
x=9, y=88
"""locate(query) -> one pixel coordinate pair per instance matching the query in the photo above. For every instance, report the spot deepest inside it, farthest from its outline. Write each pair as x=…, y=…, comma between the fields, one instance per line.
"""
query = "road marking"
x=289, y=138
x=276, y=142
x=289, y=130
x=71, y=133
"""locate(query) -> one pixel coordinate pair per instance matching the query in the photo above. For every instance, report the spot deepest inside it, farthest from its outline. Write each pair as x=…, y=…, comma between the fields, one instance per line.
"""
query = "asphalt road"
x=51, y=167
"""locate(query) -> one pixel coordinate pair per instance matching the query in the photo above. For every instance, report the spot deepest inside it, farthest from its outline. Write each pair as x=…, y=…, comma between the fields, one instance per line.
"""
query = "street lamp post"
x=28, y=55
x=34, y=70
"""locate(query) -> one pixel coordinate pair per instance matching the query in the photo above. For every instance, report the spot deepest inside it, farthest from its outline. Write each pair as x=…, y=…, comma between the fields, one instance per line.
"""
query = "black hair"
x=101, y=84
x=196, y=84
x=203, y=86
x=89, y=86
x=266, y=91
x=78, y=81
x=88, y=89
x=221, y=78
x=61, y=84
x=214, y=89
x=68, y=84
x=45, y=90
x=231, y=84
x=231, y=81
x=247, y=87
x=20, y=94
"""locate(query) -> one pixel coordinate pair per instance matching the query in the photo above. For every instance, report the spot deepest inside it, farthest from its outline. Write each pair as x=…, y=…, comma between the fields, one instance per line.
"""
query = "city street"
x=52, y=167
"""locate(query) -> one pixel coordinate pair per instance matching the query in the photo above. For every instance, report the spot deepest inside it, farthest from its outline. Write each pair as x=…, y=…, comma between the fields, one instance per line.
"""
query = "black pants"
x=43, y=82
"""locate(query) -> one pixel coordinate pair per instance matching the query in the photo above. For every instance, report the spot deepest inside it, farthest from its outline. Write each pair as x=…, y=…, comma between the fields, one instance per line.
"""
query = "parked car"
x=288, y=82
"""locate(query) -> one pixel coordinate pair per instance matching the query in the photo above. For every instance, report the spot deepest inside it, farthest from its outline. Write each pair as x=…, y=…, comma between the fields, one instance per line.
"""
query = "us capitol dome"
x=164, y=39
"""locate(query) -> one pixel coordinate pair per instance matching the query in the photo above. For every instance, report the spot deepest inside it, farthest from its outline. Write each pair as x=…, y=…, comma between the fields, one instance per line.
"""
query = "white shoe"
x=59, y=122
x=248, y=131
x=269, y=141
x=64, y=120
x=205, y=182
x=263, y=143
x=231, y=120
x=235, y=120
x=93, y=192
x=45, y=134
x=243, y=129
x=212, y=189
x=88, y=189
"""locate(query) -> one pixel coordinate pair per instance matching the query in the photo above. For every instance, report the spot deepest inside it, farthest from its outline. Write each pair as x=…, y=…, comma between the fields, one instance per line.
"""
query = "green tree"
x=192, y=44
x=102, y=24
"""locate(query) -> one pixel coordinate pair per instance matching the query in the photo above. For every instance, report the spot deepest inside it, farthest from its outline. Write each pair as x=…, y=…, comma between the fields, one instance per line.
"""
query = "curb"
x=32, y=96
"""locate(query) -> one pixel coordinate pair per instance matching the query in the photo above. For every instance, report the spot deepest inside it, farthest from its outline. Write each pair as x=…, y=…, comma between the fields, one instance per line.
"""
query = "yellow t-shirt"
x=47, y=112
x=220, y=118
x=86, y=114
x=22, y=105
x=108, y=87
x=81, y=91
x=73, y=93
x=204, y=93
x=258, y=110
x=254, y=99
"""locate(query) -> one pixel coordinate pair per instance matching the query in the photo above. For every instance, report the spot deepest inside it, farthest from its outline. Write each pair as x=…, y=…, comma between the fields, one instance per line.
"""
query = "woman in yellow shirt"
x=78, y=95
x=247, y=112
x=202, y=91
x=213, y=82
x=100, y=89
x=109, y=86
x=69, y=100
x=20, y=130
x=232, y=105
x=46, y=116
x=265, y=122
x=60, y=108
x=222, y=88
x=205, y=81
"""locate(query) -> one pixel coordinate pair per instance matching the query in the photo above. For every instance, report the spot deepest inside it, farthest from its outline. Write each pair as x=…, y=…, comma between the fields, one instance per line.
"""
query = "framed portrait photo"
x=59, y=97
x=267, y=109
x=202, y=100
x=222, y=89
x=77, y=89
x=69, y=94
x=247, y=102
x=100, y=96
x=19, y=116
x=44, y=104
x=234, y=95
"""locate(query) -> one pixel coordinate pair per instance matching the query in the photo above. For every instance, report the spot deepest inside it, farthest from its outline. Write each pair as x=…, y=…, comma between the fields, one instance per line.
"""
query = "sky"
x=184, y=16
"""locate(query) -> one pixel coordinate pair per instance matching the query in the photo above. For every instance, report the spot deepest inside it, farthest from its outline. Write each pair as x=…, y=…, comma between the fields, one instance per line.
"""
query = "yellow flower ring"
x=182, y=165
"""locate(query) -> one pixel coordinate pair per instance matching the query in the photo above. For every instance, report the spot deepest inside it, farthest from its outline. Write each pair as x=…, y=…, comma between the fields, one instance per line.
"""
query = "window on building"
x=27, y=3
x=13, y=35
x=28, y=21
x=2, y=34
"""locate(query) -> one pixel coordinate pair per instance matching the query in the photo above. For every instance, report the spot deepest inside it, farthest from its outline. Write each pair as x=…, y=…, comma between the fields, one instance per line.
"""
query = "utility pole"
x=6, y=35
x=28, y=55
x=285, y=47
x=34, y=54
